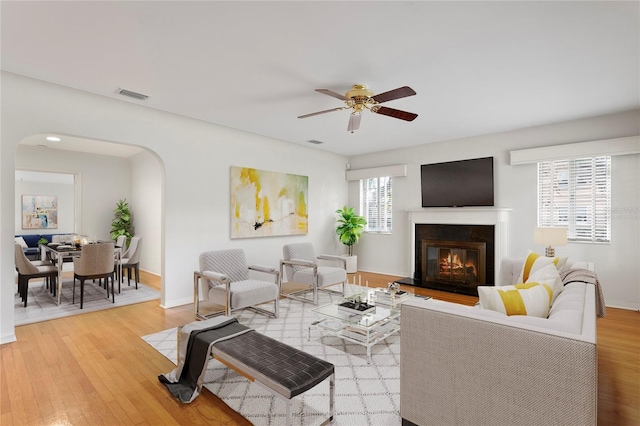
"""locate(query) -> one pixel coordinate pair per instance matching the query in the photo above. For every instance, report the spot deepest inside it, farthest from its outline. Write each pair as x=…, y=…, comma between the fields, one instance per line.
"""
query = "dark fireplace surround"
x=476, y=240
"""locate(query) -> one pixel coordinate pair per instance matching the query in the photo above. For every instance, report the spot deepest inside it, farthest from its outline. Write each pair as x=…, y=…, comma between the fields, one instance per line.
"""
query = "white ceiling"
x=477, y=67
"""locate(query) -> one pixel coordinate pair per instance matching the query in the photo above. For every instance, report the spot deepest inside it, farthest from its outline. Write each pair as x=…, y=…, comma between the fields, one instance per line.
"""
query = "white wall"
x=196, y=157
x=103, y=180
x=66, y=205
x=147, y=177
x=616, y=263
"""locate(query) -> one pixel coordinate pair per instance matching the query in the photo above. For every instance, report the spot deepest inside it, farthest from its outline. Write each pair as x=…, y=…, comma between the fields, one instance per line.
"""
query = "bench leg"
x=332, y=390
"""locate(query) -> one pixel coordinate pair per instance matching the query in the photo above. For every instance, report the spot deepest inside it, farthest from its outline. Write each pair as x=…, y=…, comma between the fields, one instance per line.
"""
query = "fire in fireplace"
x=459, y=262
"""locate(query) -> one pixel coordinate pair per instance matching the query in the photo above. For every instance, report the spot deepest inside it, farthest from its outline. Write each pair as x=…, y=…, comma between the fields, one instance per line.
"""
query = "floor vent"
x=134, y=95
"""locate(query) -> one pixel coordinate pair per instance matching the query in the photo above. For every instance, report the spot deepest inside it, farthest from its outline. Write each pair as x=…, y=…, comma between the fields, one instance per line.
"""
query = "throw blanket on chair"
x=194, y=350
x=589, y=277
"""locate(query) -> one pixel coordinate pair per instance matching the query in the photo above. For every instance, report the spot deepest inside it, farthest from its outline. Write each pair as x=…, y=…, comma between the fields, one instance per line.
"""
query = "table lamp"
x=548, y=236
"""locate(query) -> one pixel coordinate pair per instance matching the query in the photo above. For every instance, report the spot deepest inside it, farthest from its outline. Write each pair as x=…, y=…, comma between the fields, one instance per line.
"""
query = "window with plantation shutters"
x=576, y=194
x=375, y=203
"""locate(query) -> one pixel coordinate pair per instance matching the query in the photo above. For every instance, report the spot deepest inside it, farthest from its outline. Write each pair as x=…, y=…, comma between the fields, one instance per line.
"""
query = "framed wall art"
x=265, y=204
x=39, y=212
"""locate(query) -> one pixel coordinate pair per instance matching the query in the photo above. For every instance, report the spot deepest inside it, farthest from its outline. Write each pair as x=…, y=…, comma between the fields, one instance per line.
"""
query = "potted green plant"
x=122, y=223
x=350, y=227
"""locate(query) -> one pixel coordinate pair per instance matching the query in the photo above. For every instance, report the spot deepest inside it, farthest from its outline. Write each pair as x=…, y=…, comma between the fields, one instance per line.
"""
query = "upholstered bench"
x=282, y=369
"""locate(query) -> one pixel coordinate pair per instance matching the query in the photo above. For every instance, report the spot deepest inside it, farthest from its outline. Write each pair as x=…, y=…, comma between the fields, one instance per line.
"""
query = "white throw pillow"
x=534, y=262
x=532, y=299
x=549, y=274
x=22, y=242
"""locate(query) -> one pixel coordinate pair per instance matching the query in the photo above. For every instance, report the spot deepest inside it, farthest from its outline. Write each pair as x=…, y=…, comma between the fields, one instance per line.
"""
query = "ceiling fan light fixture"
x=360, y=98
x=359, y=91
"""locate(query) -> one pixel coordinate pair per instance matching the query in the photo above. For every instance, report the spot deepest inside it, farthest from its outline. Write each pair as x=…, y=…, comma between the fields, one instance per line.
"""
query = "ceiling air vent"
x=315, y=142
x=134, y=95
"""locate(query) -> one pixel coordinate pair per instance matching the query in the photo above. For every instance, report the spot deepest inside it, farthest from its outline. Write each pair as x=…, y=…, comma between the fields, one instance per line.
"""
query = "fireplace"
x=464, y=230
x=455, y=258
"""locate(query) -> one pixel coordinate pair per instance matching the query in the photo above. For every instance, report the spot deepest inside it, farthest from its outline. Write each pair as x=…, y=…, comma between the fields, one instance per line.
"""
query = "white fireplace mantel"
x=499, y=217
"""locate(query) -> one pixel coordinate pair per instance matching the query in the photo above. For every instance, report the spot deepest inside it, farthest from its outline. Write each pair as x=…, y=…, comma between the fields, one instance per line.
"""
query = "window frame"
x=576, y=194
x=384, y=213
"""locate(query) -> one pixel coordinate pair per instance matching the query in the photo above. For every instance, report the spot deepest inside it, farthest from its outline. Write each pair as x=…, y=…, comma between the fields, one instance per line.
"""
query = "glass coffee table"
x=363, y=329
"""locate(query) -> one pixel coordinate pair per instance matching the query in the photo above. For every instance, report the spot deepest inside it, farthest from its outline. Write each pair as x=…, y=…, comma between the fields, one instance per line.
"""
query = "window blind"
x=375, y=203
x=576, y=194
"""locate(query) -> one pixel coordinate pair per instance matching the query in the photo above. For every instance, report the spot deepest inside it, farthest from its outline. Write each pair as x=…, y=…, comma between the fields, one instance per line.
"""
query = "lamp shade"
x=549, y=236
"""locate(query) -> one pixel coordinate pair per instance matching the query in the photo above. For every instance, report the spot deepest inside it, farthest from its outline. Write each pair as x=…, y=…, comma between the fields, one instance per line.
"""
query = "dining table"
x=61, y=252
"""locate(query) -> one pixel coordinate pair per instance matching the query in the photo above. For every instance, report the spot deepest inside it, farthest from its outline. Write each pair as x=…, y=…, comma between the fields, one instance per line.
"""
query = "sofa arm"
x=459, y=368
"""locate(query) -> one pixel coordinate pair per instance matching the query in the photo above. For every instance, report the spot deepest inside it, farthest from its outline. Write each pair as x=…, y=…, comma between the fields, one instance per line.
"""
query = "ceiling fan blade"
x=354, y=122
x=332, y=93
x=401, y=92
x=321, y=112
x=396, y=113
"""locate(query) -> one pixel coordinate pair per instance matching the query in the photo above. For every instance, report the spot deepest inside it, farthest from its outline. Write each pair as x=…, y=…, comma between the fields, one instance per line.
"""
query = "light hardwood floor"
x=95, y=369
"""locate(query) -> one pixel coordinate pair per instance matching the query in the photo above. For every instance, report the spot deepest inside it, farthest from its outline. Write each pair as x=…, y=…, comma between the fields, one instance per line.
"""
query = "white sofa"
x=463, y=365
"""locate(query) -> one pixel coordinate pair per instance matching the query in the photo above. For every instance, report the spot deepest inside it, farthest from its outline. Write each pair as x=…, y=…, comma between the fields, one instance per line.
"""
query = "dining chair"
x=302, y=267
x=224, y=280
x=95, y=261
x=131, y=260
x=32, y=269
x=121, y=243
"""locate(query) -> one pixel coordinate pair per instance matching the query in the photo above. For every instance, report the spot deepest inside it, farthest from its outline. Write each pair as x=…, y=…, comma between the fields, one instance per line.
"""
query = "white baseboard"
x=8, y=338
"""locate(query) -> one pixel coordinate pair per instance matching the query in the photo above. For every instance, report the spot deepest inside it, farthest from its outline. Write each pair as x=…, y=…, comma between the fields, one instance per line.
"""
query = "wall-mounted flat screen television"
x=458, y=183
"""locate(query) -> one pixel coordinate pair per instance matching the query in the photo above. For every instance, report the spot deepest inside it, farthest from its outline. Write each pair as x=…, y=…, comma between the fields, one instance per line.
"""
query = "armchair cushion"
x=327, y=275
x=244, y=293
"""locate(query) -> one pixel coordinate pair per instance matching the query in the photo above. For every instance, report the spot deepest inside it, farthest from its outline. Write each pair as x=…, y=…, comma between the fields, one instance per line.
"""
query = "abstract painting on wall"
x=266, y=204
x=39, y=211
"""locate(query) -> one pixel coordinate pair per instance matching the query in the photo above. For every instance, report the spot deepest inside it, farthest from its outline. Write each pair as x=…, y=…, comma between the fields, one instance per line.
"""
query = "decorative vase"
x=352, y=264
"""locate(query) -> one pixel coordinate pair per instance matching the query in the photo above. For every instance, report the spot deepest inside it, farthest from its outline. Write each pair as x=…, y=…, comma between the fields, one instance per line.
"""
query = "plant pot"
x=352, y=264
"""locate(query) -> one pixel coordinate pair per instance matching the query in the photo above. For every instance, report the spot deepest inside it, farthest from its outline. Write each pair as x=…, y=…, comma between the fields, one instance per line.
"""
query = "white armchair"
x=302, y=267
x=224, y=280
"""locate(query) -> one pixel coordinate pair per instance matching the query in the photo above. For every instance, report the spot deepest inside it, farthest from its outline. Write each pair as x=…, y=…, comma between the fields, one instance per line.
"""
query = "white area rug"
x=42, y=306
x=365, y=394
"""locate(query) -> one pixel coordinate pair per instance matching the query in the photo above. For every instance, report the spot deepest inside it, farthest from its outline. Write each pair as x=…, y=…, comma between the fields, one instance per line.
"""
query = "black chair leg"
x=73, y=297
x=137, y=270
x=113, y=293
x=20, y=286
x=25, y=291
x=81, y=292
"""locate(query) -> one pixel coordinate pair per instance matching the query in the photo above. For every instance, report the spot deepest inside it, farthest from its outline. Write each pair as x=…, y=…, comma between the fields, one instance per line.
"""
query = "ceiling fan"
x=360, y=98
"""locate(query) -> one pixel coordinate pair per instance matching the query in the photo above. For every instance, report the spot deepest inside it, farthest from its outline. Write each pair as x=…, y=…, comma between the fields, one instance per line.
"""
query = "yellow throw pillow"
x=532, y=299
x=534, y=262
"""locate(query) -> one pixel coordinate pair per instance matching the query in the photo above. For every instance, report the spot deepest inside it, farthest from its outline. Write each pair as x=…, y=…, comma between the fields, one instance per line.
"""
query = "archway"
x=107, y=172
